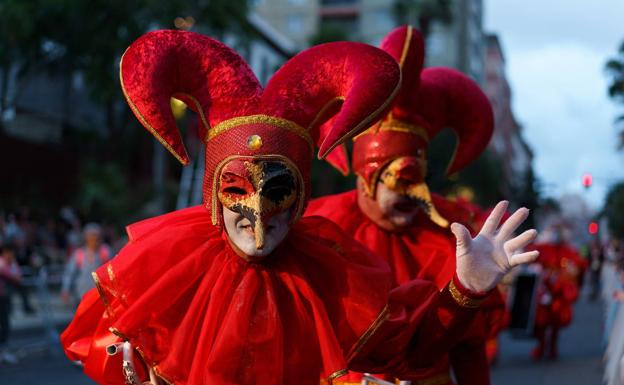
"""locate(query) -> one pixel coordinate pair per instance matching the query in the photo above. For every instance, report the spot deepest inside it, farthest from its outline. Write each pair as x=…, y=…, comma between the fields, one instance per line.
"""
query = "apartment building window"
x=346, y=23
x=294, y=23
x=339, y=2
x=384, y=19
x=435, y=45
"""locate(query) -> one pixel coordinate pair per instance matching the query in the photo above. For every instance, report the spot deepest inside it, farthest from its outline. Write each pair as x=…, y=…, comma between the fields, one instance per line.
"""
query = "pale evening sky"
x=555, y=53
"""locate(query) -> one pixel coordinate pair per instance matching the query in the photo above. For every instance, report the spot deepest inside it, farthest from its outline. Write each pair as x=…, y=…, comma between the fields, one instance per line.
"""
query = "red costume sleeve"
x=435, y=320
x=86, y=339
x=470, y=363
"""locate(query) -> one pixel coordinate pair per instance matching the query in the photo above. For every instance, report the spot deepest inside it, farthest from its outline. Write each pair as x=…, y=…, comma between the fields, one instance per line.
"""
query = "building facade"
x=507, y=142
x=459, y=44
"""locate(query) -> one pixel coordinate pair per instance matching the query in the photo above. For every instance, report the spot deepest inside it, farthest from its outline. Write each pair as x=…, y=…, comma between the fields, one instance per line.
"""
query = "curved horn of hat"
x=204, y=73
x=405, y=44
x=333, y=90
x=448, y=98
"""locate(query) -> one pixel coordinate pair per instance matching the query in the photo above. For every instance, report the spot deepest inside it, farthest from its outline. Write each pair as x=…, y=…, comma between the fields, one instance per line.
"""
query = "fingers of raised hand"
x=526, y=257
x=462, y=235
x=519, y=242
x=514, y=221
x=491, y=223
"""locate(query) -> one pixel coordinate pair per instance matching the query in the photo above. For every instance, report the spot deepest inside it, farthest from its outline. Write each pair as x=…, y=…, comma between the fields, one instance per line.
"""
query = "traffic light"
x=587, y=180
x=593, y=228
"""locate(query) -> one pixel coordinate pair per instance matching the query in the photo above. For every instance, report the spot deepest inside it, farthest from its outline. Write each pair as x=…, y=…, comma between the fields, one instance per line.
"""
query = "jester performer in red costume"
x=560, y=269
x=392, y=211
x=240, y=290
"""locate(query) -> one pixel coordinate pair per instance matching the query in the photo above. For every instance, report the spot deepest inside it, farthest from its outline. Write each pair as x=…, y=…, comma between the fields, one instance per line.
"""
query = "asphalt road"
x=580, y=350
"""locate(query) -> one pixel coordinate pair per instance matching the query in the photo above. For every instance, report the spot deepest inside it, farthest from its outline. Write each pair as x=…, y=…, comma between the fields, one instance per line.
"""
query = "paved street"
x=580, y=361
x=43, y=369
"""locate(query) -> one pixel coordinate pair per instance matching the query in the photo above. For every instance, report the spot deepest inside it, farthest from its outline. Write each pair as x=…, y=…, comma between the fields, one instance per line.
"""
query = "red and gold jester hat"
x=321, y=97
x=429, y=100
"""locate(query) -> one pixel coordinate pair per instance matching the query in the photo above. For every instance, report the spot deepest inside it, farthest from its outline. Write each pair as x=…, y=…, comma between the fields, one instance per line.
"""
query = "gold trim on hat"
x=406, y=44
x=260, y=119
x=397, y=126
x=144, y=122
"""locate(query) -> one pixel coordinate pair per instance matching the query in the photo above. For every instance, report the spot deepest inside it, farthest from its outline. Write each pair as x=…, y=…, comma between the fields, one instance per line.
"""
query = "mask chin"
x=241, y=234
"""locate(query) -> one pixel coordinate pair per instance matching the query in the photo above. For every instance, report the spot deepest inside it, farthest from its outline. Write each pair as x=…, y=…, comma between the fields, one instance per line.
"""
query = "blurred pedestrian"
x=9, y=275
x=596, y=259
x=25, y=258
x=77, y=278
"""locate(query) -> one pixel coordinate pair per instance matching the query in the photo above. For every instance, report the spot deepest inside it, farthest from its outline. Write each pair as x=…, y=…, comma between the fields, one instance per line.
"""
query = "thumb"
x=462, y=235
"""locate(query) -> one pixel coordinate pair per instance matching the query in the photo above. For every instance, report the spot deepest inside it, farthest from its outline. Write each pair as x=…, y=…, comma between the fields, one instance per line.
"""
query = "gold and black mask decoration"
x=258, y=190
x=406, y=176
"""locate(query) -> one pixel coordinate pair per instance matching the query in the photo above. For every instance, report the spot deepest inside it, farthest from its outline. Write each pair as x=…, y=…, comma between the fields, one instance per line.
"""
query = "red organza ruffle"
x=425, y=251
x=200, y=314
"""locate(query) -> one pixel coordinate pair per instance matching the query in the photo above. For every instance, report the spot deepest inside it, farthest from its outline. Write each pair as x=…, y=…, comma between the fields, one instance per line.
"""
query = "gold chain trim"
x=381, y=318
x=143, y=120
x=461, y=299
x=330, y=380
x=260, y=119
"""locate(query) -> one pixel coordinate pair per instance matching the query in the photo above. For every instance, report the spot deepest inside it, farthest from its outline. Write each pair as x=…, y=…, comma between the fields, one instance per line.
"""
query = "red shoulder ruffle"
x=200, y=314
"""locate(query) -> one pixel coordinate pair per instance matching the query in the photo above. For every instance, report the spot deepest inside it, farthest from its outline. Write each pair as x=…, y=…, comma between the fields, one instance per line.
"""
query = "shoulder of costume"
x=324, y=231
x=197, y=214
x=331, y=206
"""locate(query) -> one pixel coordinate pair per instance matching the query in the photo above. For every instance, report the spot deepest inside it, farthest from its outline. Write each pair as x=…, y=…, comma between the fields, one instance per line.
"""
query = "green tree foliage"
x=328, y=33
x=66, y=37
x=613, y=209
x=615, y=69
x=90, y=36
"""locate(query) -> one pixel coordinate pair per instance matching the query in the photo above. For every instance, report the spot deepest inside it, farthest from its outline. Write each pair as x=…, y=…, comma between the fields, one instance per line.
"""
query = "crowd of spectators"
x=64, y=245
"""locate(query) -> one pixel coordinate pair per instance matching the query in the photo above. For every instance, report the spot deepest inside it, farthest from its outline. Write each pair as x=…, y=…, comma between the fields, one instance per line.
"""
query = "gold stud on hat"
x=254, y=142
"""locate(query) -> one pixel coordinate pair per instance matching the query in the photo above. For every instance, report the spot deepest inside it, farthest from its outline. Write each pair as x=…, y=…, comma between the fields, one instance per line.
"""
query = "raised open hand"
x=484, y=260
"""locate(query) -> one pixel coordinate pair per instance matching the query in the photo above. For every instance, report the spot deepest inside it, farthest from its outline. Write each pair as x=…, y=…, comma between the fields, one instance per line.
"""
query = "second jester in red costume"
x=392, y=211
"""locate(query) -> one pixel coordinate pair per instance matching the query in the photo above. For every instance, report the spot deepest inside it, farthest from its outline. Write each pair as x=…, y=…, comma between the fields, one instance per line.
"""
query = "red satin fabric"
x=424, y=251
x=202, y=315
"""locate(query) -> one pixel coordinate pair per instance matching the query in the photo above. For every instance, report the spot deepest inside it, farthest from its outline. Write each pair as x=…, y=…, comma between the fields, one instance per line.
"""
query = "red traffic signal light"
x=593, y=228
x=587, y=180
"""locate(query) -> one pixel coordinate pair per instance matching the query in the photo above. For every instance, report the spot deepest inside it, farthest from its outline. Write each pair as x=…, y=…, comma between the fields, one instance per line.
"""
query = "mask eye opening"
x=234, y=191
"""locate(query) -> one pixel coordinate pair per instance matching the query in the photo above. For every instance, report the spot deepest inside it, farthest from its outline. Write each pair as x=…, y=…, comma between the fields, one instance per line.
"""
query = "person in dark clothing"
x=596, y=258
x=9, y=275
